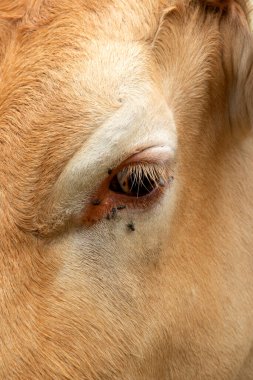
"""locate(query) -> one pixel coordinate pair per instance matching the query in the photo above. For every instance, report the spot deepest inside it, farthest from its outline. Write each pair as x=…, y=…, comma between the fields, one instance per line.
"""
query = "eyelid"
x=154, y=154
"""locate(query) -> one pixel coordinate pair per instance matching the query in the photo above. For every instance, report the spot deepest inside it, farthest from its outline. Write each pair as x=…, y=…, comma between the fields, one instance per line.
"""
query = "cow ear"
x=237, y=46
x=241, y=89
x=238, y=64
x=231, y=8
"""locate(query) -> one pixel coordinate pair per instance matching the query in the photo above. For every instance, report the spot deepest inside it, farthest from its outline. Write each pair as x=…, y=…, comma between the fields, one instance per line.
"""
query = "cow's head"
x=125, y=189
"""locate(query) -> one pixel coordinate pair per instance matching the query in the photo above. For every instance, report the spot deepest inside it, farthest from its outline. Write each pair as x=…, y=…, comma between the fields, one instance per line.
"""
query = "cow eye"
x=137, y=183
x=138, y=180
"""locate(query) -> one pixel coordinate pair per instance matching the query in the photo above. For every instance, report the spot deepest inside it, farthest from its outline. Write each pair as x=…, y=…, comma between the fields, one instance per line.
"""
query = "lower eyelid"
x=93, y=214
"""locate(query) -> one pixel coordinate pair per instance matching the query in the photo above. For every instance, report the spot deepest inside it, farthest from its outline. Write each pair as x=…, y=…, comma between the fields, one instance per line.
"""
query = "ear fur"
x=243, y=83
x=237, y=8
x=237, y=51
x=237, y=58
x=238, y=64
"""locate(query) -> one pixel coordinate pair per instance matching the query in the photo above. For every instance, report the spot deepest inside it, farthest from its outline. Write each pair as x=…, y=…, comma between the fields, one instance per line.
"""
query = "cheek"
x=113, y=245
x=104, y=281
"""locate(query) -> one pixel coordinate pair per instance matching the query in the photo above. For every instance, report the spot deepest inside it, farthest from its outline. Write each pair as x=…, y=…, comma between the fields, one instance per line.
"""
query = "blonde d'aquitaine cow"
x=126, y=190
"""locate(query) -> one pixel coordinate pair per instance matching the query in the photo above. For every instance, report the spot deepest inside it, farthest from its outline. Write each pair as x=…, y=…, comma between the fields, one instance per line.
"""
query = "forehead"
x=72, y=71
x=66, y=58
x=111, y=73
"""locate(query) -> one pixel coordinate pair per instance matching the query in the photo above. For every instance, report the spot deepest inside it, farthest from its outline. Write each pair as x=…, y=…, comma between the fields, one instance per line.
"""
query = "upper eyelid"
x=153, y=154
x=149, y=155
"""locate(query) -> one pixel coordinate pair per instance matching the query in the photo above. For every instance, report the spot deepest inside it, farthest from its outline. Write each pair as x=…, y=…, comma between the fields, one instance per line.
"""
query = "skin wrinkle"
x=83, y=85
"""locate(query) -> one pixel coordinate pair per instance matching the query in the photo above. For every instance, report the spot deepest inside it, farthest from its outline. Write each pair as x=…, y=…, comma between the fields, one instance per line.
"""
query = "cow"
x=126, y=190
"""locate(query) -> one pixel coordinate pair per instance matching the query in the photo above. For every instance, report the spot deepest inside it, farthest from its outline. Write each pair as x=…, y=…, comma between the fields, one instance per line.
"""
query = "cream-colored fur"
x=84, y=85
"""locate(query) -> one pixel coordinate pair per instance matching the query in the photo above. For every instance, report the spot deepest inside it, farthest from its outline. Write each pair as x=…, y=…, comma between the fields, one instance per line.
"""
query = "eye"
x=138, y=180
x=137, y=183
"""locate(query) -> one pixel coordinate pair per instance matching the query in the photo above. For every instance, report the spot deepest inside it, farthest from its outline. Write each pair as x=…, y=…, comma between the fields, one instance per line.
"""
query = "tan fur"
x=174, y=300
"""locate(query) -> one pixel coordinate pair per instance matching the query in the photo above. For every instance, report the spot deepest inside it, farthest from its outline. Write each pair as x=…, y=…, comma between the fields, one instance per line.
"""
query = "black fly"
x=96, y=202
x=131, y=226
x=111, y=214
x=121, y=207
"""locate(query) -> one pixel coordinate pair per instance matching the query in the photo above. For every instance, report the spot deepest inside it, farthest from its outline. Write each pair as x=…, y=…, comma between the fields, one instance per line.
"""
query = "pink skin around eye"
x=105, y=203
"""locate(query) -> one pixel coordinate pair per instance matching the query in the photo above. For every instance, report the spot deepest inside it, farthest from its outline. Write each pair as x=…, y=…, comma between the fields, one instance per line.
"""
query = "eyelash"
x=138, y=180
